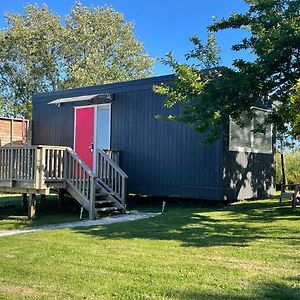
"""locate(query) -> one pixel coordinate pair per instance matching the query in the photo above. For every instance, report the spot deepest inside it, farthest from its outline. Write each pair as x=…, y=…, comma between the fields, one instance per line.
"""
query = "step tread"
x=103, y=201
x=106, y=209
x=101, y=194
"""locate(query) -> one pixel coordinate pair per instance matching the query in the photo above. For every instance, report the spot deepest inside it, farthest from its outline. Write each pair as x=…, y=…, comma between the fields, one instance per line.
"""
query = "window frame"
x=252, y=149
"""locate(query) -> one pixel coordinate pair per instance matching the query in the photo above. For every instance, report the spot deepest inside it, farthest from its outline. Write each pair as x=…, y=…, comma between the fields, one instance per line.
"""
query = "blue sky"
x=161, y=25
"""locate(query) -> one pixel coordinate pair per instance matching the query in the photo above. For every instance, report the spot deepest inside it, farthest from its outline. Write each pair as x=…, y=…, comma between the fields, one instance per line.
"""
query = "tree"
x=210, y=97
x=29, y=57
x=41, y=52
x=100, y=47
x=295, y=109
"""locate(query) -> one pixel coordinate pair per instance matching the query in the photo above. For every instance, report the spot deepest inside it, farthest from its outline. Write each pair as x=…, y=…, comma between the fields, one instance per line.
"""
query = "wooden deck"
x=39, y=169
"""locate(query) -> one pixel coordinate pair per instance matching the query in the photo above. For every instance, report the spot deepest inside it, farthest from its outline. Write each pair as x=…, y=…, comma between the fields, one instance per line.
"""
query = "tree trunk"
x=284, y=181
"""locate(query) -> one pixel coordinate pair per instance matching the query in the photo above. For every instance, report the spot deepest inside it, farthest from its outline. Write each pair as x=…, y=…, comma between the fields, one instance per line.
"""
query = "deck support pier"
x=61, y=199
x=31, y=206
x=24, y=200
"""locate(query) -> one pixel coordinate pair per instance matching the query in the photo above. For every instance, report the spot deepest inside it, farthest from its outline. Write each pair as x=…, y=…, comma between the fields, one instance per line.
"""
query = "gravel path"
x=87, y=223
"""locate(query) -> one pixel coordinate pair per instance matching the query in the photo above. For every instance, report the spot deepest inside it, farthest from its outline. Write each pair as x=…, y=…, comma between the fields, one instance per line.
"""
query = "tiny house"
x=159, y=158
x=100, y=143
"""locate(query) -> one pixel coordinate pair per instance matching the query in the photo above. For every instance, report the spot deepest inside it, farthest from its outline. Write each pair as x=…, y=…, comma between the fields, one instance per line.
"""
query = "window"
x=245, y=139
x=103, y=127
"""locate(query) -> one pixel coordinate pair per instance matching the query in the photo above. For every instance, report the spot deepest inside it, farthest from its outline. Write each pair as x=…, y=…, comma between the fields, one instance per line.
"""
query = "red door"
x=84, y=134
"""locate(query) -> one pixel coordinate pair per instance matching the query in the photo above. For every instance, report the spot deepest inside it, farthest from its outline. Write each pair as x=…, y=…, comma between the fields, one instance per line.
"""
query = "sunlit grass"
x=250, y=250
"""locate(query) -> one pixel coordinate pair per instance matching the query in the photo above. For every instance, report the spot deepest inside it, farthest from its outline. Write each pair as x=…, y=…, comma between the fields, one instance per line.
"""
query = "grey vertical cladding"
x=52, y=125
x=160, y=157
x=247, y=175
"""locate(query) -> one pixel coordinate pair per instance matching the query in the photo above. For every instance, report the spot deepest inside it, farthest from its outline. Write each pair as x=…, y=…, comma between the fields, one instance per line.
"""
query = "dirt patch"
x=18, y=291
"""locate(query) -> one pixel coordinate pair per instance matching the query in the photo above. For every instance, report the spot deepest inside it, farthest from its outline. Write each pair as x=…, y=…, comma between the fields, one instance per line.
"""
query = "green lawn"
x=250, y=250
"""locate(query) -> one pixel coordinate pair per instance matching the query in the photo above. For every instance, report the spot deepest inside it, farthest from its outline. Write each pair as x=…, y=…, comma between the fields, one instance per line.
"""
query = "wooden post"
x=296, y=196
x=124, y=194
x=24, y=200
x=11, y=132
x=11, y=165
x=61, y=199
x=28, y=137
x=65, y=165
x=284, y=179
x=31, y=206
x=92, y=215
x=40, y=168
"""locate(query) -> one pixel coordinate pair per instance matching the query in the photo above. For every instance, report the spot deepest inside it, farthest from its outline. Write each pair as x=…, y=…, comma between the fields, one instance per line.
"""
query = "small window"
x=245, y=139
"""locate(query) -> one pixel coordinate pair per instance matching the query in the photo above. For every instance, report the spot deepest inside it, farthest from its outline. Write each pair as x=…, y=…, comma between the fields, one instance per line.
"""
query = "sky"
x=161, y=25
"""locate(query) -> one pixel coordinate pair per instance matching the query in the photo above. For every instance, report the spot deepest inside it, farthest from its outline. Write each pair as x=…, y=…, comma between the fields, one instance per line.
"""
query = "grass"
x=249, y=250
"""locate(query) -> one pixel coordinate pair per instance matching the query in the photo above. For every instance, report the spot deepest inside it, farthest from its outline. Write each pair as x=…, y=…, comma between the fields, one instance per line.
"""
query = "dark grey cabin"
x=160, y=158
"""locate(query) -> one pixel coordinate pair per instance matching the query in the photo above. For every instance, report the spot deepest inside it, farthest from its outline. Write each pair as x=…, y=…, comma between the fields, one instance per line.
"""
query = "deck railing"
x=35, y=167
x=18, y=163
x=54, y=162
x=111, y=176
x=114, y=155
x=81, y=178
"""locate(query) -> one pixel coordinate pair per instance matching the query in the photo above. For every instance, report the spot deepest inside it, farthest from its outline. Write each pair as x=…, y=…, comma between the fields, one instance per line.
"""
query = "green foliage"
x=42, y=52
x=248, y=250
x=214, y=95
x=274, y=26
x=28, y=57
x=292, y=166
x=100, y=47
x=295, y=109
x=193, y=88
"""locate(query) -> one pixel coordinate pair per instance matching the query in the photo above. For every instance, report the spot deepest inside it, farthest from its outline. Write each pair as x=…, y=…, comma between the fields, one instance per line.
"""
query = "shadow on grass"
x=47, y=212
x=261, y=290
x=235, y=225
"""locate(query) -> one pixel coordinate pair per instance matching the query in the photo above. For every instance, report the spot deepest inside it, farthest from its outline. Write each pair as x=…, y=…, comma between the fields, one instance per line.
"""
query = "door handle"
x=91, y=147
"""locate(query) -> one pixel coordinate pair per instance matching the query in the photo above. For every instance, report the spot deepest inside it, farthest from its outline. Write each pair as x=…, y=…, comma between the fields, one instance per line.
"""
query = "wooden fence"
x=14, y=132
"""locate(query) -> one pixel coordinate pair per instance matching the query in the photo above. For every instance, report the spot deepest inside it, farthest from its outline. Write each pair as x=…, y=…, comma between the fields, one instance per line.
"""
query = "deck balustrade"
x=41, y=167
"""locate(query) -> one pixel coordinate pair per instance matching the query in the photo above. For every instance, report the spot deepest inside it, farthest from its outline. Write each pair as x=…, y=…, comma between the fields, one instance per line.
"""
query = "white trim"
x=110, y=126
x=261, y=109
x=96, y=128
x=95, y=106
x=91, y=105
x=94, y=139
x=110, y=117
x=74, y=130
x=252, y=149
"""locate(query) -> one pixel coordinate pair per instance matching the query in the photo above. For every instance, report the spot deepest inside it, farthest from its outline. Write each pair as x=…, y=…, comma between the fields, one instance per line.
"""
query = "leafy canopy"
x=41, y=51
x=295, y=108
x=208, y=97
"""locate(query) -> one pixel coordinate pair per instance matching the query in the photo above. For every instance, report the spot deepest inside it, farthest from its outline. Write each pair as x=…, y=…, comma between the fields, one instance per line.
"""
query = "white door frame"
x=95, y=106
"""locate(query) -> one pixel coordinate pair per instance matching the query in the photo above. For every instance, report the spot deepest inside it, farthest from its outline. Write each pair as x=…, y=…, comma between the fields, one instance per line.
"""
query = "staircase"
x=39, y=169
